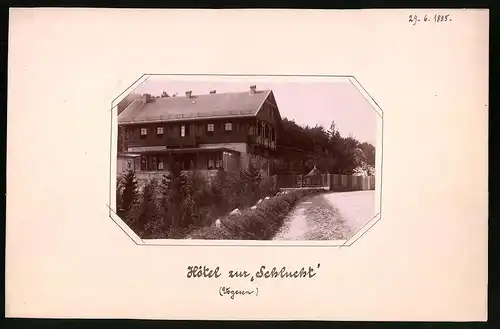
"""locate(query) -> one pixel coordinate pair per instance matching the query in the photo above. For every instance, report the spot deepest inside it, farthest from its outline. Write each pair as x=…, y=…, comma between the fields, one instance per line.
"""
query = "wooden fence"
x=332, y=182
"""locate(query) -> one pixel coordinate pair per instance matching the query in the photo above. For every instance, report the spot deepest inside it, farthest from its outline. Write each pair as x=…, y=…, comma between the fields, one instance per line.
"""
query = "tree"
x=194, y=193
x=147, y=218
x=164, y=203
x=172, y=202
x=251, y=184
x=302, y=147
x=369, y=151
x=119, y=191
x=129, y=193
x=164, y=94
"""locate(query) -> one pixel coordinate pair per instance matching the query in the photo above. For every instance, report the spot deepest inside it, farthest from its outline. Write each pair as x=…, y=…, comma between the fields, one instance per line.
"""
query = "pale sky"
x=307, y=103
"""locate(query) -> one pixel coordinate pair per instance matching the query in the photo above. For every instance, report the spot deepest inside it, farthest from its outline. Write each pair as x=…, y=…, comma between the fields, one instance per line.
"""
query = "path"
x=357, y=208
x=328, y=216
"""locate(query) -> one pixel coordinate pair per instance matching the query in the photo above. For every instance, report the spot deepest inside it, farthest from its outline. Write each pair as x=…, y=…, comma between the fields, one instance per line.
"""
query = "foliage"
x=186, y=201
x=127, y=193
x=119, y=192
x=250, y=180
x=148, y=218
x=261, y=223
x=302, y=147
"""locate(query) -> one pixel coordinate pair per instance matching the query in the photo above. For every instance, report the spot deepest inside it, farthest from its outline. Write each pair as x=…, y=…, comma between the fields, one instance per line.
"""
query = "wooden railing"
x=260, y=140
x=183, y=142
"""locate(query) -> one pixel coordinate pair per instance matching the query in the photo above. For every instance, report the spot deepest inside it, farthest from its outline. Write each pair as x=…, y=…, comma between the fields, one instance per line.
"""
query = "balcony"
x=183, y=142
x=262, y=141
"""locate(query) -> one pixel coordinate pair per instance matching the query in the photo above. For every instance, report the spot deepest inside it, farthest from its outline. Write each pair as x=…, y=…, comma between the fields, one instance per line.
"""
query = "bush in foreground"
x=261, y=223
x=183, y=202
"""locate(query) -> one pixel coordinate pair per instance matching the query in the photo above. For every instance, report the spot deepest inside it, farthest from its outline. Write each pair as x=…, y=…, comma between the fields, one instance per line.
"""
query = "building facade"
x=205, y=132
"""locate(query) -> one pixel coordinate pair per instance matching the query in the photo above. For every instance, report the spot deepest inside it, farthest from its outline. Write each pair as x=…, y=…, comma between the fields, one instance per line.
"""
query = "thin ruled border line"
x=148, y=75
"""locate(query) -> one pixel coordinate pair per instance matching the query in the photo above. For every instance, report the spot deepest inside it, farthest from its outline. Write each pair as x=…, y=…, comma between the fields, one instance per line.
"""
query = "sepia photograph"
x=246, y=159
x=314, y=165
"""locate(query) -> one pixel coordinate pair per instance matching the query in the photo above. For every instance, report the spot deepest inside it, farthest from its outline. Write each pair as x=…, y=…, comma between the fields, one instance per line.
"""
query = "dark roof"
x=195, y=107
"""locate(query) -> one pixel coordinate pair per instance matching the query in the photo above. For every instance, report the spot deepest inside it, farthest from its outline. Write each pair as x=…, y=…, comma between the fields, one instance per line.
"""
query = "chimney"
x=188, y=94
x=212, y=91
x=252, y=89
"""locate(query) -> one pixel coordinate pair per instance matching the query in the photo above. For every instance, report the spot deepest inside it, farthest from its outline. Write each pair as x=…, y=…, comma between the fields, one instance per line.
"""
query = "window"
x=144, y=132
x=214, y=160
x=127, y=134
x=159, y=131
x=183, y=131
x=129, y=164
x=210, y=128
x=156, y=163
x=228, y=126
x=143, y=162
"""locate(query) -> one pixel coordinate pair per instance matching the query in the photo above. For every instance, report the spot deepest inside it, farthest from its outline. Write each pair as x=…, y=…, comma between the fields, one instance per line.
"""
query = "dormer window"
x=159, y=131
x=210, y=128
x=228, y=126
x=144, y=132
x=183, y=131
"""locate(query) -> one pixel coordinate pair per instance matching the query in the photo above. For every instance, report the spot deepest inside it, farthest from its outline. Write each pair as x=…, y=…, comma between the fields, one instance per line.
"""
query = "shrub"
x=119, y=190
x=185, y=201
x=127, y=193
x=261, y=223
x=148, y=220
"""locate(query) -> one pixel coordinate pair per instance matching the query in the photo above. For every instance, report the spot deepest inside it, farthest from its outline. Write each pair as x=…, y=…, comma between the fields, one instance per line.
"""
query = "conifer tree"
x=172, y=202
x=119, y=191
x=148, y=213
x=129, y=193
x=251, y=182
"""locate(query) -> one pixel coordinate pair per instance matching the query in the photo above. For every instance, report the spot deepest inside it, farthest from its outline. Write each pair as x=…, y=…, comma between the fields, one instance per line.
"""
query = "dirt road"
x=328, y=216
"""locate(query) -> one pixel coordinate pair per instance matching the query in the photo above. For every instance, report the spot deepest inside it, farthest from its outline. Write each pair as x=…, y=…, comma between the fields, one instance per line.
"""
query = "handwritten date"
x=436, y=18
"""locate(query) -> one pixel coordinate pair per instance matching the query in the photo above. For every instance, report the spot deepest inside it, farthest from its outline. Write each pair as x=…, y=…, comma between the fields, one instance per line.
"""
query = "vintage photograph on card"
x=245, y=158
x=290, y=167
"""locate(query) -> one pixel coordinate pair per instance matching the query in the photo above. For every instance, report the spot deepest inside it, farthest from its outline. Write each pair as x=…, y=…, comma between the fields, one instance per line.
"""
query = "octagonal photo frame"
x=350, y=240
